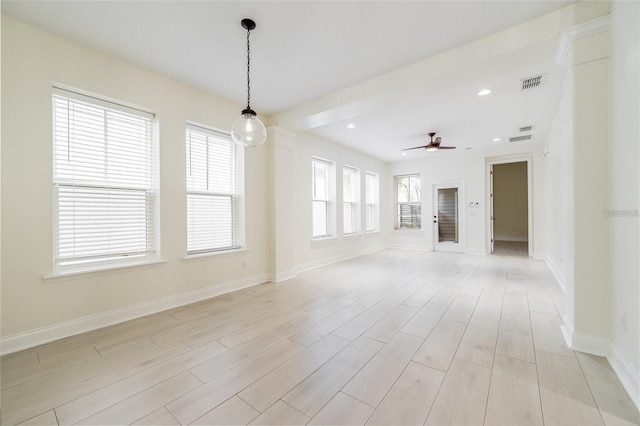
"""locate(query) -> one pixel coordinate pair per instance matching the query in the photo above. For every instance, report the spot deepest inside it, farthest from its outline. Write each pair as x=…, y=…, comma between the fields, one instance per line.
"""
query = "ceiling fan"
x=433, y=145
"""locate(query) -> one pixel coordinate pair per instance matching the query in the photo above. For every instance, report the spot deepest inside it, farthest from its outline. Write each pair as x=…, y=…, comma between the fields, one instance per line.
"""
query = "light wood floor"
x=395, y=337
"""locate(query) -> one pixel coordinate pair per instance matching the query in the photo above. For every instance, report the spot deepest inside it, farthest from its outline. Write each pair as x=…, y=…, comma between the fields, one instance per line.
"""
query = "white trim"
x=507, y=159
x=591, y=345
x=567, y=330
x=277, y=277
x=335, y=259
x=29, y=339
x=559, y=276
x=417, y=247
x=628, y=375
x=214, y=254
x=569, y=35
x=87, y=273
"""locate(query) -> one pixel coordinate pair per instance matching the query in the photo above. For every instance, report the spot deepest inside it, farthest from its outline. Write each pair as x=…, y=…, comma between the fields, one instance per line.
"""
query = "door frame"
x=448, y=247
x=490, y=162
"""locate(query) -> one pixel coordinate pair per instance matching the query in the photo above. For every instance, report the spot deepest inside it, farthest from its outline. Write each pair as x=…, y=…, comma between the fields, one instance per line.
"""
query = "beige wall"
x=31, y=61
x=510, y=202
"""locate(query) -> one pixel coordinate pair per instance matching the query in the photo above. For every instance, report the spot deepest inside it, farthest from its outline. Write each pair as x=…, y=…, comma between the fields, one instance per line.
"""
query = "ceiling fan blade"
x=446, y=147
x=416, y=147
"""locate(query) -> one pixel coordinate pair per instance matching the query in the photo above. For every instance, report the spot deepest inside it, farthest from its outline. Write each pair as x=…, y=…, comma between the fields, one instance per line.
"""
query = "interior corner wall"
x=31, y=61
x=625, y=186
x=310, y=253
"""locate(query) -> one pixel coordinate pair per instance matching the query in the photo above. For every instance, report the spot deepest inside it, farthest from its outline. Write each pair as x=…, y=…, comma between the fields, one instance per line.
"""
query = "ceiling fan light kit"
x=247, y=130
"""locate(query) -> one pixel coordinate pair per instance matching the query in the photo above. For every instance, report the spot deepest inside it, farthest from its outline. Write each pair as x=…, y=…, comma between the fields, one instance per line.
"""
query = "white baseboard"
x=591, y=345
x=410, y=247
x=335, y=259
x=628, y=375
x=559, y=276
x=282, y=276
x=567, y=330
x=29, y=339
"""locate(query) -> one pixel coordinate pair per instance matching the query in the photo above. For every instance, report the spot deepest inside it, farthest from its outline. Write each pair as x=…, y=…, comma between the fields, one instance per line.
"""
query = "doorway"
x=447, y=217
x=510, y=208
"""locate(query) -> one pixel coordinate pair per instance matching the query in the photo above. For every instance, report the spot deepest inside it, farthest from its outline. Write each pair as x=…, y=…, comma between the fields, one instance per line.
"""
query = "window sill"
x=86, y=273
x=214, y=254
x=324, y=242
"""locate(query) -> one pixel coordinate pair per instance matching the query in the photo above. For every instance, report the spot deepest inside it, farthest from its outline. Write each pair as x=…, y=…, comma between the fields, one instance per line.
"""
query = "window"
x=371, y=201
x=408, y=202
x=320, y=197
x=350, y=199
x=213, y=191
x=104, y=186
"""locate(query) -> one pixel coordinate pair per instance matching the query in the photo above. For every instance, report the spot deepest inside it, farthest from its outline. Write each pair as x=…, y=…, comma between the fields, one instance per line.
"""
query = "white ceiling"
x=305, y=52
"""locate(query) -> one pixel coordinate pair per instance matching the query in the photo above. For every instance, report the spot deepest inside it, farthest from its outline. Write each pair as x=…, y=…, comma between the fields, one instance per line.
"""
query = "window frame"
x=329, y=166
x=416, y=218
x=354, y=203
x=235, y=195
x=372, y=206
x=85, y=197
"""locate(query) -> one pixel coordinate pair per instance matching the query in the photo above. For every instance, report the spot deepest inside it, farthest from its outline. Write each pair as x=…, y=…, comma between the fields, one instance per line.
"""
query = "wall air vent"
x=532, y=82
x=520, y=138
x=525, y=129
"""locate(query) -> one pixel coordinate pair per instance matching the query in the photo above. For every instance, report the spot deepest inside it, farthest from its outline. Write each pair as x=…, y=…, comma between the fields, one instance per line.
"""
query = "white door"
x=447, y=229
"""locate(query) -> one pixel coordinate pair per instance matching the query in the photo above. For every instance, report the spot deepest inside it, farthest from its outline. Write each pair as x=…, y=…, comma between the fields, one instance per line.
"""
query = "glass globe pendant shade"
x=248, y=130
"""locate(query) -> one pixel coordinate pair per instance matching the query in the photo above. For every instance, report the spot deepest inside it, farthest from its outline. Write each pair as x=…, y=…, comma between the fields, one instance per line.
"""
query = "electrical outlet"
x=624, y=321
x=244, y=265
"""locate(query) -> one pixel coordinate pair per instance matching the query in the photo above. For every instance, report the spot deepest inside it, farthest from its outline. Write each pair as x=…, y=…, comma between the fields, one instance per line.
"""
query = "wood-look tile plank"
x=48, y=418
x=514, y=398
x=145, y=402
x=439, y=348
x=361, y=323
x=515, y=338
x=462, y=397
x=318, y=389
x=244, y=335
x=343, y=410
x=423, y=322
x=54, y=390
x=310, y=335
x=234, y=411
x=120, y=390
x=281, y=413
x=611, y=398
x=515, y=303
x=371, y=383
x=478, y=345
x=195, y=404
x=462, y=308
x=566, y=397
x=414, y=391
x=266, y=391
x=160, y=417
x=391, y=323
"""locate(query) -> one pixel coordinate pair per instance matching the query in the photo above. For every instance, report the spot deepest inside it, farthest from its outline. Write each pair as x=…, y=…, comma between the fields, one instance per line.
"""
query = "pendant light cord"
x=248, y=71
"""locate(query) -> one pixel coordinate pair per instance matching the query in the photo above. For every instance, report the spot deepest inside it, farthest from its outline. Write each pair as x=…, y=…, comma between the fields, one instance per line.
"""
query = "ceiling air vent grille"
x=532, y=82
x=525, y=129
x=520, y=138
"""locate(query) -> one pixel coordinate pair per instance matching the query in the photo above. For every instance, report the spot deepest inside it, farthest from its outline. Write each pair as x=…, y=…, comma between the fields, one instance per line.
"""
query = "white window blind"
x=320, y=197
x=103, y=183
x=371, y=201
x=408, y=192
x=213, y=198
x=350, y=194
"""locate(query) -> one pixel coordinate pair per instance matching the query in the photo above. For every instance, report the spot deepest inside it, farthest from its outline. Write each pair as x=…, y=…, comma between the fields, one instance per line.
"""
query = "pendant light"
x=248, y=130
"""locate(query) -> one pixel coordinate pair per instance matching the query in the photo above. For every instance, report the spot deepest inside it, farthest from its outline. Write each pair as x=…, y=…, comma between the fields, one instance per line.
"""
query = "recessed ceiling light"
x=404, y=153
x=468, y=148
x=496, y=140
x=351, y=126
x=484, y=92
